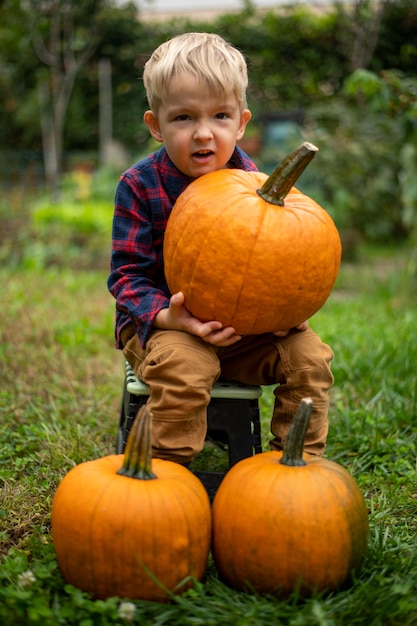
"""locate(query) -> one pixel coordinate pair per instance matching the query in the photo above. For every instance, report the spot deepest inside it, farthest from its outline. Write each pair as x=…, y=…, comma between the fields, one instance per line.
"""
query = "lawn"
x=60, y=391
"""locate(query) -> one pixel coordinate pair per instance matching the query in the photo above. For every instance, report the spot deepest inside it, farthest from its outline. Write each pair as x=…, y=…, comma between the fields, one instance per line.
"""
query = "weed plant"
x=60, y=392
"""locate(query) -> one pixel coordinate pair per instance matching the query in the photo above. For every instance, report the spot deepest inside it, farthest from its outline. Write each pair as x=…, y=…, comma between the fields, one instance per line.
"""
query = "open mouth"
x=202, y=155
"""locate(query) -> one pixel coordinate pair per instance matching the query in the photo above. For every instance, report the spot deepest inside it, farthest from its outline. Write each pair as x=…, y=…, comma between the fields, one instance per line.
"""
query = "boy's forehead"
x=181, y=79
x=187, y=85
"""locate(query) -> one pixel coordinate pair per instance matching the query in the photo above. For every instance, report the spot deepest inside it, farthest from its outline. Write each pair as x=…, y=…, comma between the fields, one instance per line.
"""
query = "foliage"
x=306, y=50
x=60, y=394
x=74, y=233
x=299, y=61
x=369, y=135
x=394, y=48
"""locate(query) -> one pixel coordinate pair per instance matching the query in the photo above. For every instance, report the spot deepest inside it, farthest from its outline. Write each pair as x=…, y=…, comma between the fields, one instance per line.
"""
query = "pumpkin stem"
x=294, y=443
x=137, y=461
x=278, y=185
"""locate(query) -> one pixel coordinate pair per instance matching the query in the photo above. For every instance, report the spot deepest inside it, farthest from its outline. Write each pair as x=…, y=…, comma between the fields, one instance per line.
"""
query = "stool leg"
x=128, y=410
x=122, y=420
x=235, y=422
x=238, y=423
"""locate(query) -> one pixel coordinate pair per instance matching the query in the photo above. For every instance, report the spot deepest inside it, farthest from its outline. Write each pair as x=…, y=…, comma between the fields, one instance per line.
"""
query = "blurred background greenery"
x=343, y=76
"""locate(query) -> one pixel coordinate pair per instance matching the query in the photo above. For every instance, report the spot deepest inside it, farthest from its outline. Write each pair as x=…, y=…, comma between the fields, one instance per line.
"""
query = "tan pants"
x=181, y=369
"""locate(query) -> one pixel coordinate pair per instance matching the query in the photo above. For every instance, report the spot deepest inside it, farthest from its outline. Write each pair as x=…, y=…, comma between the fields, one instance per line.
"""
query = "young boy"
x=196, y=88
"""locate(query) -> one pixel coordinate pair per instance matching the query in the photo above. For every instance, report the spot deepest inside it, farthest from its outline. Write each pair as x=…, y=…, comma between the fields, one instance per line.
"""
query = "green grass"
x=60, y=390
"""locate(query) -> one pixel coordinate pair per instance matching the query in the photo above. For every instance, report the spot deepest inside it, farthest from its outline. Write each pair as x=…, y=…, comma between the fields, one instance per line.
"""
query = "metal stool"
x=232, y=419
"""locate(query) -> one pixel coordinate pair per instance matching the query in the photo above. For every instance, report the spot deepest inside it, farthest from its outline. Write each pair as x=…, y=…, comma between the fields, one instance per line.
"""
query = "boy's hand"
x=284, y=333
x=177, y=317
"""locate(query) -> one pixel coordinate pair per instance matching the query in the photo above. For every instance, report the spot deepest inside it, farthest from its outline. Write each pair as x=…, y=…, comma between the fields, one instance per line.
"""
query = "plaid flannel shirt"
x=145, y=195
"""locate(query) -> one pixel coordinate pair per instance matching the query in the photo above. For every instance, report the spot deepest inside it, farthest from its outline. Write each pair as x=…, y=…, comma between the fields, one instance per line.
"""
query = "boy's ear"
x=152, y=123
x=244, y=119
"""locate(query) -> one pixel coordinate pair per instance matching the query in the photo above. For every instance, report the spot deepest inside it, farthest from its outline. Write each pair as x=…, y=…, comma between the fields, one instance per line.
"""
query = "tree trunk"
x=106, y=111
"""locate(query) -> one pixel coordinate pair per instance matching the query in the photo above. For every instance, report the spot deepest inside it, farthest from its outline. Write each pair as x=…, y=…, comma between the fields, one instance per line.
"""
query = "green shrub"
x=368, y=158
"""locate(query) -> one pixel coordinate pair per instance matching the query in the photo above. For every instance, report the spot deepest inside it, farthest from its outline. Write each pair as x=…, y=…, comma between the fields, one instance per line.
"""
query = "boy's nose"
x=202, y=131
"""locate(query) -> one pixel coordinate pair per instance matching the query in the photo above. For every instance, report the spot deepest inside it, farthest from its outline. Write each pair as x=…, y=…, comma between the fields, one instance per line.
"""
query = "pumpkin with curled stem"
x=131, y=526
x=250, y=251
x=289, y=522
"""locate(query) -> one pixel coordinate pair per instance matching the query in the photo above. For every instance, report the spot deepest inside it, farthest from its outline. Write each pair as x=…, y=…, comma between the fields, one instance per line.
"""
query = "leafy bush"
x=368, y=160
x=74, y=232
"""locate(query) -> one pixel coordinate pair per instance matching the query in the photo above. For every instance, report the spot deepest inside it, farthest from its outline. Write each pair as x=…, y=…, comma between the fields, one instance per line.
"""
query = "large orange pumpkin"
x=126, y=526
x=251, y=251
x=284, y=522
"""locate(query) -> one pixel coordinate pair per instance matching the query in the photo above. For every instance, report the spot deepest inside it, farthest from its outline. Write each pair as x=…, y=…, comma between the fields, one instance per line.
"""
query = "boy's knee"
x=306, y=358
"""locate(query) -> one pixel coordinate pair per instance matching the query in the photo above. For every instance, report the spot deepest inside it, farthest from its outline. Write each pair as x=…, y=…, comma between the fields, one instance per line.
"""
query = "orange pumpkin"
x=129, y=526
x=284, y=523
x=251, y=251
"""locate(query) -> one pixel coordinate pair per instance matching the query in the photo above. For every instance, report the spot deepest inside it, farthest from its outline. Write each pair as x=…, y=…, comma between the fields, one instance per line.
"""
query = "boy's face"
x=199, y=129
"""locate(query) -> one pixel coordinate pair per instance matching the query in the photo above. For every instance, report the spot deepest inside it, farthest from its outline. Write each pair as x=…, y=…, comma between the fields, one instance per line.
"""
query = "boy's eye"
x=182, y=118
x=221, y=116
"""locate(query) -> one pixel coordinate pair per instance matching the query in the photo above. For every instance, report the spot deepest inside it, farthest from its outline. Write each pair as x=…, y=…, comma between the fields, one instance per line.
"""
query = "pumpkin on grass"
x=288, y=522
x=131, y=526
x=250, y=251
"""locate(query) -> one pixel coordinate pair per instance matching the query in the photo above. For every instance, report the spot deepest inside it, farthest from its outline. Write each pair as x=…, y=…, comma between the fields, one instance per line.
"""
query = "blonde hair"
x=207, y=56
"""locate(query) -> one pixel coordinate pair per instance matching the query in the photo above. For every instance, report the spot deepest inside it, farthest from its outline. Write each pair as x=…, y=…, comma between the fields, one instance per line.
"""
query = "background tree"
x=18, y=66
x=360, y=28
x=64, y=44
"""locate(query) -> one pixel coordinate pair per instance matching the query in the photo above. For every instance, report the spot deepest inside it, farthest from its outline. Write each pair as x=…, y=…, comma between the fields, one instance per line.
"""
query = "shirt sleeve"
x=137, y=279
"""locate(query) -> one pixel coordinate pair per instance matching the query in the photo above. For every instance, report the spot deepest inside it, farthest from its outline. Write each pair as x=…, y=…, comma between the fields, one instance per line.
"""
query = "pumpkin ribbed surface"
x=300, y=525
x=113, y=534
x=129, y=526
x=246, y=262
x=291, y=528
